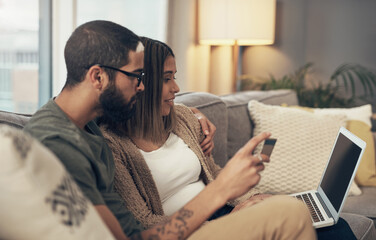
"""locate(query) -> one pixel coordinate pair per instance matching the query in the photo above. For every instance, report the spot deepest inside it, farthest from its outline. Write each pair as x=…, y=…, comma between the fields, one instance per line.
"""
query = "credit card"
x=268, y=146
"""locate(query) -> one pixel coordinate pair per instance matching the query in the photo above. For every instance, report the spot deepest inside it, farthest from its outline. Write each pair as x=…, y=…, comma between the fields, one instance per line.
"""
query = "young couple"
x=159, y=168
x=159, y=164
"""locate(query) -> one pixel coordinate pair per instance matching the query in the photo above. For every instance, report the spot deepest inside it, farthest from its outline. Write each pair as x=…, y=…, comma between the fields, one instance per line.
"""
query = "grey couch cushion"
x=14, y=119
x=213, y=107
x=365, y=204
x=362, y=227
x=240, y=126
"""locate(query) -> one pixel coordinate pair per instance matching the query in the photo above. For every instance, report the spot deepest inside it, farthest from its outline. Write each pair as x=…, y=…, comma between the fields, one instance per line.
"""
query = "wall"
x=200, y=68
x=325, y=32
x=192, y=60
x=69, y=14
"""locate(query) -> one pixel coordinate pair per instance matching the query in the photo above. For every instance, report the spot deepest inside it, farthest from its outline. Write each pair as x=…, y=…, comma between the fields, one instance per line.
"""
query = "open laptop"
x=326, y=203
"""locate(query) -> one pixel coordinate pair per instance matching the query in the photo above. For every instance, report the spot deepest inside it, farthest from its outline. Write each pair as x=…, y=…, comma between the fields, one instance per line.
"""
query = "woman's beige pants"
x=278, y=217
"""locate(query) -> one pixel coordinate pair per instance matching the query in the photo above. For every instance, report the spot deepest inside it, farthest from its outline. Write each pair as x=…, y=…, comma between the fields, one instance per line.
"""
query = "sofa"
x=230, y=115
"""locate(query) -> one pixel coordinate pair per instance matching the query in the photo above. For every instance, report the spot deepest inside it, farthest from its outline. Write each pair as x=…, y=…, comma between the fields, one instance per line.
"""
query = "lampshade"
x=249, y=22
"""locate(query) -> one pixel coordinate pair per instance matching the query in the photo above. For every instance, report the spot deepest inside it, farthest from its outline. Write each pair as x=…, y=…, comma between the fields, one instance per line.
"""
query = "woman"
x=160, y=165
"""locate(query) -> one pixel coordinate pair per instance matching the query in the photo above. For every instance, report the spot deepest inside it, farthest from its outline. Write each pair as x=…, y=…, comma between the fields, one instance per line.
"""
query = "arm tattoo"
x=174, y=227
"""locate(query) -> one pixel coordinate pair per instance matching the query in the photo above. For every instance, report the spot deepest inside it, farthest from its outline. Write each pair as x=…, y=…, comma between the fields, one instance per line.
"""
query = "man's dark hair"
x=97, y=42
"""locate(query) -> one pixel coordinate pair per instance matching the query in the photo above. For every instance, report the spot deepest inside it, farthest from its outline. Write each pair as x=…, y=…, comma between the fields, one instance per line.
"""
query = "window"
x=30, y=75
x=144, y=17
x=19, y=55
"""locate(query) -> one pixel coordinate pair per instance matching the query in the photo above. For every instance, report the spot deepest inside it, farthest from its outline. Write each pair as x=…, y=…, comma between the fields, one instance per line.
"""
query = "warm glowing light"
x=249, y=22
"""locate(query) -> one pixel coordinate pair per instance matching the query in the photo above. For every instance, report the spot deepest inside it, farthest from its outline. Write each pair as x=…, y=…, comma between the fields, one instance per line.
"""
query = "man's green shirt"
x=86, y=156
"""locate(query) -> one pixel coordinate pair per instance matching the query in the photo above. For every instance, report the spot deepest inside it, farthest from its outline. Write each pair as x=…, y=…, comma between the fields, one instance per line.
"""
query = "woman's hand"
x=242, y=171
x=208, y=129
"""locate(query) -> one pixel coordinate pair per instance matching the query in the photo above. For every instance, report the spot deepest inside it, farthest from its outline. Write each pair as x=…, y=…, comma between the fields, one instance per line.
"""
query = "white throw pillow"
x=301, y=153
x=362, y=113
x=359, y=123
x=39, y=199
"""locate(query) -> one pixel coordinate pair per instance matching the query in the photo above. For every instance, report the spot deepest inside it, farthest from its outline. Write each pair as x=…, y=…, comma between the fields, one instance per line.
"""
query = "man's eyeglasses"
x=140, y=77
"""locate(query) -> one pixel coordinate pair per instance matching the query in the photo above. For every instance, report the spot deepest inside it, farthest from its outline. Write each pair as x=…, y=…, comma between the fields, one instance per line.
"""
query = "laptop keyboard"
x=316, y=214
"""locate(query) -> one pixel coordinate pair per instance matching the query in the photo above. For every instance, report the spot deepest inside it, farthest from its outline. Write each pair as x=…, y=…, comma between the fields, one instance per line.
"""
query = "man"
x=105, y=67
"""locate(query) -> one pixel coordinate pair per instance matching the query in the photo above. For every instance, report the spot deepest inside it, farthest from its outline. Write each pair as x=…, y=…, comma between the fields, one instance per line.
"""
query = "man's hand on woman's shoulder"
x=208, y=129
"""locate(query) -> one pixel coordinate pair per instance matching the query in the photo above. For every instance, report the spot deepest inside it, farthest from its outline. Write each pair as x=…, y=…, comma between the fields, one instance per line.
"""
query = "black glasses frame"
x=140, y=77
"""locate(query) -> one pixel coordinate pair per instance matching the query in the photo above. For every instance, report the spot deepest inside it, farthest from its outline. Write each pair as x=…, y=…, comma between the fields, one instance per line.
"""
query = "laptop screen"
x=340, y=170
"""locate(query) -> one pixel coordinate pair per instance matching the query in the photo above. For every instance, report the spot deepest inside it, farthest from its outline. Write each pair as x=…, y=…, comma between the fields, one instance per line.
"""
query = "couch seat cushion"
x=364, y=204
x=362, y=227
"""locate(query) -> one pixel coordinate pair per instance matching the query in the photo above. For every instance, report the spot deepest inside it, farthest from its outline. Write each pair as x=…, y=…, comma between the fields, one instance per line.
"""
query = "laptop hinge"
x=324, y=205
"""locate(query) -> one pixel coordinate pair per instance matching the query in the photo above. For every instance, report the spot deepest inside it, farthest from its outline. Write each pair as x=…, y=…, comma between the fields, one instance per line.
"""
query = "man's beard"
x=115, y=109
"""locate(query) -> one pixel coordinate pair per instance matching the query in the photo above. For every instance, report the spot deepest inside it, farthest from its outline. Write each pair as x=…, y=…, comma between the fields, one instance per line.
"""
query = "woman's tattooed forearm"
x=175, y=227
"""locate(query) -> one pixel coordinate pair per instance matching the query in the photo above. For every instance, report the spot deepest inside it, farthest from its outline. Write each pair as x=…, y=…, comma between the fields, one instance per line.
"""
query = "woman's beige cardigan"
x=133, y=180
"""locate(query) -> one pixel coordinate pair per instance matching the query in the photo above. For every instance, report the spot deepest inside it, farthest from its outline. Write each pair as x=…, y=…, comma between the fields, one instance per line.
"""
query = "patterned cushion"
x=304, y=144
x=39, y=199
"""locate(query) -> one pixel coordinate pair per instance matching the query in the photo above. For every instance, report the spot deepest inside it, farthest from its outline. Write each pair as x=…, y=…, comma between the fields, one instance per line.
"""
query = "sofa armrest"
x=14, y=119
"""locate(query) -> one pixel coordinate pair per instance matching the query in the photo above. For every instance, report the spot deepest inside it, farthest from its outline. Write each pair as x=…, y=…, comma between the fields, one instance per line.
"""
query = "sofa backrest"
x=14, y=119
x=229, y=113
x=240, y=127
x=214, y=109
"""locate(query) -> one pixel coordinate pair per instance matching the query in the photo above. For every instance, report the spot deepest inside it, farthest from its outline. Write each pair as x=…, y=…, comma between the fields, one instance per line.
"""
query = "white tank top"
x=176, y=170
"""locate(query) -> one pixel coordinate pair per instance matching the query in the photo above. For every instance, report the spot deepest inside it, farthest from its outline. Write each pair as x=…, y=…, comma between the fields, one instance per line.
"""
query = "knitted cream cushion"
x=39, y=199
x=304, y=143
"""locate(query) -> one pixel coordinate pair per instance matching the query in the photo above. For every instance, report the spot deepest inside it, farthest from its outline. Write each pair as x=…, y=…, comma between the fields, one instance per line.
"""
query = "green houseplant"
x=319, y=94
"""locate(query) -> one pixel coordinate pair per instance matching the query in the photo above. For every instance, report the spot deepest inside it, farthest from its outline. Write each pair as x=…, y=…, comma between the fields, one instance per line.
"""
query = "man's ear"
x=96, y=76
